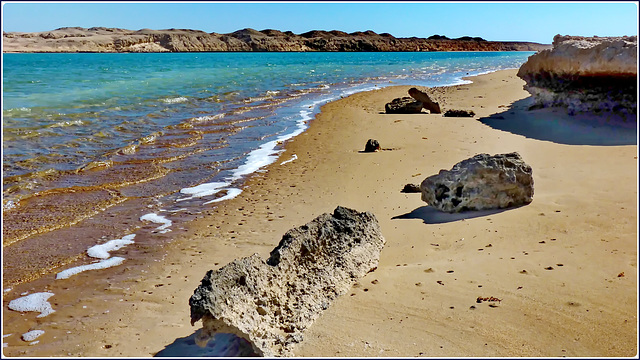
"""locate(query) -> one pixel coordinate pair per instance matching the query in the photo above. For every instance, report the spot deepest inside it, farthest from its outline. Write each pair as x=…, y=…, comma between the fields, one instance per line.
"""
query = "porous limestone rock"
x=427, y=103
x=372, y=146
x=403, y=105
x=272, y=302
x=411, y=188
x=585, y=74
x=479, y=183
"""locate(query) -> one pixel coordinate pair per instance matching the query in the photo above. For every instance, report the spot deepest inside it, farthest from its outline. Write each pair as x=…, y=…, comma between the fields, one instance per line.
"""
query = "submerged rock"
x=585, y=74
x=427, y=103
x=459, y=113
x=372, y=146
x=271, y=303
x=403, y=105
x=481, y=182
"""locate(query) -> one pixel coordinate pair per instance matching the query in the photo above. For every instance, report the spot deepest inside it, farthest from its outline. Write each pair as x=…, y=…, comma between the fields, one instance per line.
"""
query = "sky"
x=497, y=21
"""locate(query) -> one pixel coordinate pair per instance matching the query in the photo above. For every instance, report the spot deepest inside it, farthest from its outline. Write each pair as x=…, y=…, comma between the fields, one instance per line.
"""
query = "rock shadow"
x=556, y=125
x=431, y=215
x=221, y=345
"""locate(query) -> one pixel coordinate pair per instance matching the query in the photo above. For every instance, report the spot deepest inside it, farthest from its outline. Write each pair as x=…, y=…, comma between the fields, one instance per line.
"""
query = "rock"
x=404, y=105
x=271, y=303
x=459, y=113
x=585, y=74
x=372, y=146
x=427, y=104
x=411, y=188
x=479, y=183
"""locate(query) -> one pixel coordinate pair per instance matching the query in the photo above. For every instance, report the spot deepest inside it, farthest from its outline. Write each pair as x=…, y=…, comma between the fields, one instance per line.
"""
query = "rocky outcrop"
x=372, y=145
x=427, y=103
x=459, y=113
x=101, y=39
x=271, y=303
x=403, y=105
x=585, y=74
x=479, y=183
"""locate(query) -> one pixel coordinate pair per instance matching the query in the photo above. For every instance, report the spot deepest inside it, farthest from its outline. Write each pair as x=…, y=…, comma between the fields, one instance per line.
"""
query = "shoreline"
x=153, y=312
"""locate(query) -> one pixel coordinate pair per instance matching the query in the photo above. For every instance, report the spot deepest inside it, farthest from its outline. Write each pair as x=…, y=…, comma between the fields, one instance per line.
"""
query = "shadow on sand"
x=431, y=215
x=222, y=345
x=556, y=125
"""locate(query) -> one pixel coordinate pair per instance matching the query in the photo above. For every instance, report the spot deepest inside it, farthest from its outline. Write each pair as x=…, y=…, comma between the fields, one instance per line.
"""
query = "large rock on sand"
x=585, y=74
x=403, y=105
x=271, y=303
x=481, y=182
x=427, y=103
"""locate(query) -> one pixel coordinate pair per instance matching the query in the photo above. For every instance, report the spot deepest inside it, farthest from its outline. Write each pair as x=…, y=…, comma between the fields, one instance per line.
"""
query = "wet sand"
x=564, y=267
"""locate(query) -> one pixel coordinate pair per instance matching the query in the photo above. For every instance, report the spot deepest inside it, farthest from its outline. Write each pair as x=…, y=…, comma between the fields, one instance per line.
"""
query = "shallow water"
x=95, y=143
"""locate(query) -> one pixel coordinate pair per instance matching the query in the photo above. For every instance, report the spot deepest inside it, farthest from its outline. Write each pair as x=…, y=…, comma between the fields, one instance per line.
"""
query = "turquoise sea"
x=92, y=143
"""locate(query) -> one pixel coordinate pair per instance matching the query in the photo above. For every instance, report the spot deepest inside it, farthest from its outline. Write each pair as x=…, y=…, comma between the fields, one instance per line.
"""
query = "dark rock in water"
x=404, y=105
x=271, y=302
x=459, y=113
x=585, y=74
x=426, y=101
x=372, y=146
x=479, y=183
x=411, y=188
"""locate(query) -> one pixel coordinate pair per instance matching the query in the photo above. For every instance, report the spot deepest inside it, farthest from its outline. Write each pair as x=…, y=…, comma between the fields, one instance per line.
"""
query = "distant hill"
x=101, y=39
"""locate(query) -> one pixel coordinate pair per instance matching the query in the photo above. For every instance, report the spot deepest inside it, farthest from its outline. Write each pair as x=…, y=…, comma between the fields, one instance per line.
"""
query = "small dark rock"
x=459, y=113
x=372, y=146
x=411, y=188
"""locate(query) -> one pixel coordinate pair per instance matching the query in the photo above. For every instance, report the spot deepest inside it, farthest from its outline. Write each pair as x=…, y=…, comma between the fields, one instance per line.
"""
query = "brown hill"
x=102, y=39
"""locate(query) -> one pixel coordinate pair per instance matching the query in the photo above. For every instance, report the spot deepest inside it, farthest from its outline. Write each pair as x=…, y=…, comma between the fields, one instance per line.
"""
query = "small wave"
x=94, y=165
x=175, y=100
x=203, y=190
x=67, y=123
x=273, y=92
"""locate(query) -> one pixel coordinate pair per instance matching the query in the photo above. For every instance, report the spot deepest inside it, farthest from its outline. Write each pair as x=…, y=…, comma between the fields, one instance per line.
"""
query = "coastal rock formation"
x=372, y=145
x=101, y=39
x=272, y=302
x=585, y=74
x=481, y=182
x=459, y=113
x=403, y=105
x=427, y=104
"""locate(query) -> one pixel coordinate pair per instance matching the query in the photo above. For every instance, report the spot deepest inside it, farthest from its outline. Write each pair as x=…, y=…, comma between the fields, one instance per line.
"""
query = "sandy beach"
x=564, y=267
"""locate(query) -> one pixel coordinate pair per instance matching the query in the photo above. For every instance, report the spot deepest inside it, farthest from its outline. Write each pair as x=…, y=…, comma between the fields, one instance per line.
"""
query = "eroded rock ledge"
x=271, y=303
x=585, y=74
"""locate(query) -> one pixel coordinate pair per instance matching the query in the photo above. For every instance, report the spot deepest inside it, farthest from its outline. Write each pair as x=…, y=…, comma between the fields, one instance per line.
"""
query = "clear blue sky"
x=537, y=22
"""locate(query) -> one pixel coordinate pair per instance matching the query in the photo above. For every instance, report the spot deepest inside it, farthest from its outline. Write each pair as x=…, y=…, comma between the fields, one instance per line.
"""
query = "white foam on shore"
x=34, y=302
x=32, y=335
x=294, y=157
x=231, y=193
x=203, y=190
x=102, y=264
x=155, y=218
x=102, y=251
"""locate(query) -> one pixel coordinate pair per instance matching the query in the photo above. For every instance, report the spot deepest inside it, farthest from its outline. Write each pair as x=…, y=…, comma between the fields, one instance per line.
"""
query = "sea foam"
x=34, y=302
x=102, y=264
x=32, y=335
x=102, y=251
x=155, y=218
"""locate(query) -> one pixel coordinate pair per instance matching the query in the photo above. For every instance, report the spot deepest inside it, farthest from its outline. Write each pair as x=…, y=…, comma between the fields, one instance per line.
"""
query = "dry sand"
x=564, y=266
